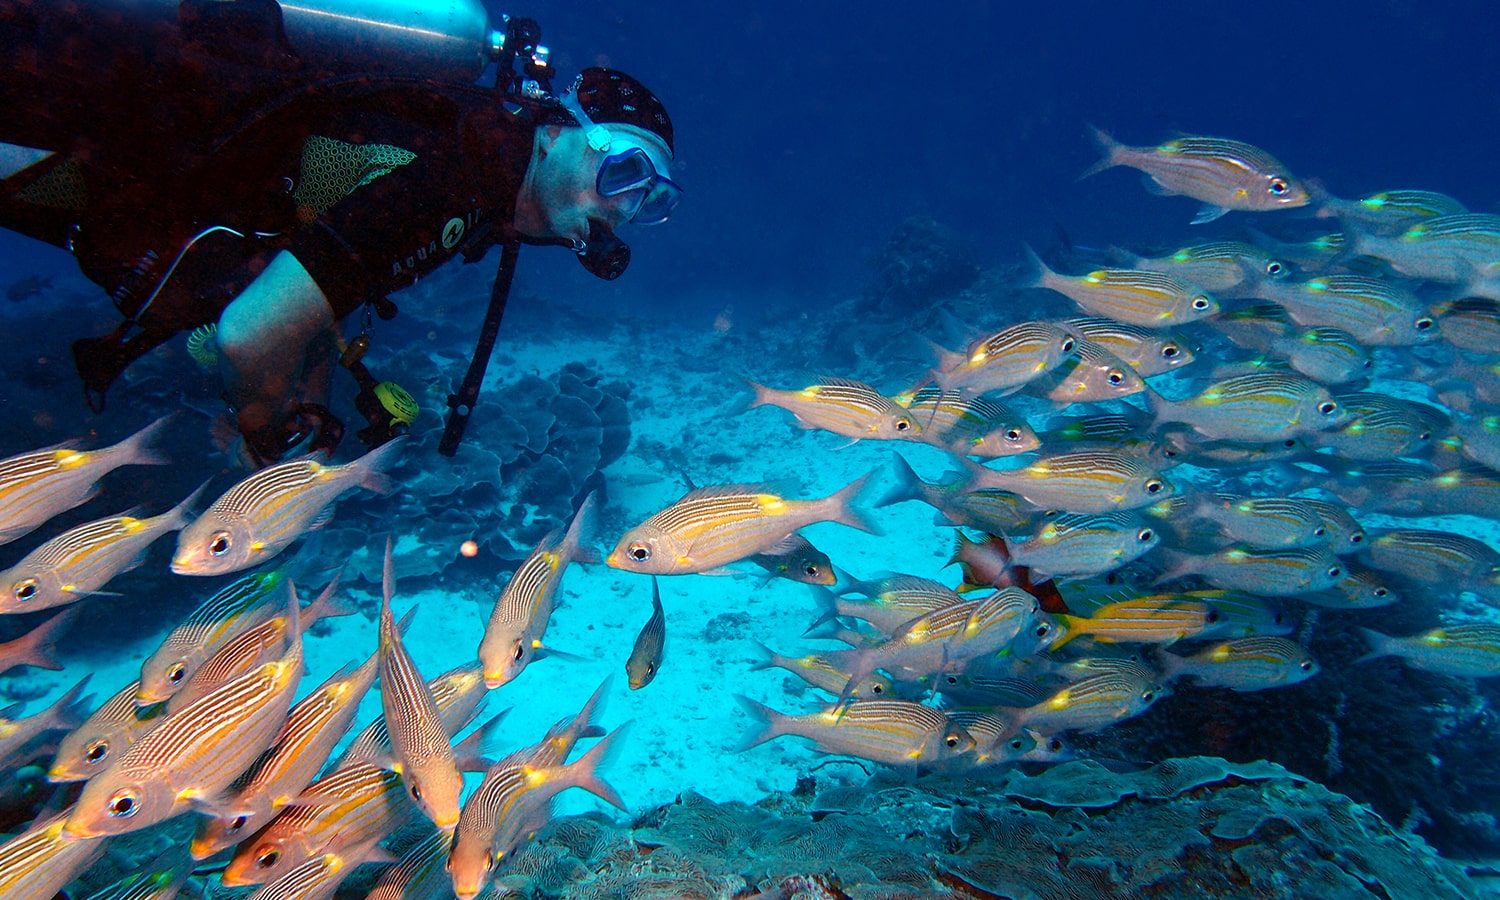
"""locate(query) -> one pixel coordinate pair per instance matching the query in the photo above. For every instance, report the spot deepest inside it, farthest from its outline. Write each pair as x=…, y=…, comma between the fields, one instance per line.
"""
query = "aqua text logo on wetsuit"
x=426, y=256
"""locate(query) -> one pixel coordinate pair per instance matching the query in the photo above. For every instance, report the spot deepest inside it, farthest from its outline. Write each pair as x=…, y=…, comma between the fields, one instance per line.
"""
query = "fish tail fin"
x=68, y=711
x=36, y=647
x=327, y=606
x=584, y=772
x=1178, y=565
x=766, y=658
x=581, y=530
x=767, y=723
x=1161, y=409
x=907, y=485
x=1111, y=151
x=760, y=395
x=372, y=466
x=1380, y=644
x=827, y=608
x=862, y=665
x=842, y=506
x=137, y=449
x=469, y=752
x=1039, y=274
x=182, y=513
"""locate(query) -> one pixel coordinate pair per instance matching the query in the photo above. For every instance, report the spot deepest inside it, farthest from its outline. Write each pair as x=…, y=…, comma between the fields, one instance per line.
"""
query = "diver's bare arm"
x=263, y=337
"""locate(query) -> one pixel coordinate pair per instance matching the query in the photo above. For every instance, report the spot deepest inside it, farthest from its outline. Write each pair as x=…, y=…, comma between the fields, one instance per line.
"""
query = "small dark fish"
x=796, y=559
x=645, y=659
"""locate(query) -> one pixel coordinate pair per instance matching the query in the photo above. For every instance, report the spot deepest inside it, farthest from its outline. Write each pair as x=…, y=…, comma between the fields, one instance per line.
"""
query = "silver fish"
x=646, y=656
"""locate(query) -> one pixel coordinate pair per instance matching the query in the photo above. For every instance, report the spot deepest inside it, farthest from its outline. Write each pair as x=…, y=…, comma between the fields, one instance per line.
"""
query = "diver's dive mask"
x=631, y=172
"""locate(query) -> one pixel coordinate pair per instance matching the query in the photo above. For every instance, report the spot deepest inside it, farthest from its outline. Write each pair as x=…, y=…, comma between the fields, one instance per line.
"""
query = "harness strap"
x=461, y=404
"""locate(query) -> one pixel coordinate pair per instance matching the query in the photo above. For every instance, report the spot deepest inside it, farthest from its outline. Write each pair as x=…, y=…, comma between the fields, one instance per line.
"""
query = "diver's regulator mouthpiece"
x=604, y=255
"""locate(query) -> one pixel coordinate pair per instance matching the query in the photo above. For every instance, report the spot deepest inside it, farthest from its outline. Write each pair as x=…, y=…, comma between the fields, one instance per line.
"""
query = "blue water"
x=806, y=135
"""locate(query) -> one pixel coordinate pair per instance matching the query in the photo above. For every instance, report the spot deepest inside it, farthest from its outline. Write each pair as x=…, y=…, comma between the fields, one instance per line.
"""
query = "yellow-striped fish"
x=421, y=747
x=1271, y=573
x=1079, y=481
x=822, y=673
x=1466, y=650
x=1215, y=266
x=1223, y=173
x=82, y=560
x=1093, y=703
x=42, y=860
x=420, y=873
x=1477, y=439
x=315, y=724
x=38, y=485
x=1460, y=249
x=1148, y=352
x=320, y=875
x=519, y=619
x=514, y=793
x=458, y=694
x=1093, y=375
x=1132, y=296
x=1005, y=360
x=1378, y=427
x=93, y=746
x=889, y=602
x=1437, y=557
x=968, y=425
x=241, y=605
x=1245, y=664
x=1376, y=311
x=845, y=407
x=646, y=656
x=714, y=526
x=254, y=647
x=346, y=808
x=1387, y=212
x=257, y=518
x=1266, y=522
x=893, y=732
x=193, y=755
x=1157, y=619
x=1471, y=323
x=1258, y=408
x=991, y=510
x=1078, y=545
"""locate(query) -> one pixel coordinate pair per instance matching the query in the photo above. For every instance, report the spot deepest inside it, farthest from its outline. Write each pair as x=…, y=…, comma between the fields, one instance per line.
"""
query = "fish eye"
x=1015, y=744
x=1380, y=591
x=1145, y=534
x=650, y=668
x=219, y=544
x=1357, y=537
x=903, y=424
x=238, y=823
x=489, y=862
x=1319, y=531
x=1155, y=486
x=877, y=689
x=268, y=858
x=416, y=792
x=639, y=552
x=1149, y=696
x=124, y=804
x=1068, y=344
x=175, y=672
x=1013, y=434
x=1212, y=616
x=1279, y=186
x=1424, y=323
x=1170, y=351
x=1043, y=629
x=1424, y=436
x=952, y=740
x=951, y=679
x=96, y=751
x=1306, y=665
x=1328, y=407
x=25, y=589
x=1274, y=268
x=1054, y=745
x=1116, y=377
x=1200, y=303
x=520, y=650
x=812, y=570
x=1335, y=572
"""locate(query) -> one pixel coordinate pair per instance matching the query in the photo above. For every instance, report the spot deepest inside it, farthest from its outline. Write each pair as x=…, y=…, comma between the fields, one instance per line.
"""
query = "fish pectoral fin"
x=1208, y=213
x=1153, y=186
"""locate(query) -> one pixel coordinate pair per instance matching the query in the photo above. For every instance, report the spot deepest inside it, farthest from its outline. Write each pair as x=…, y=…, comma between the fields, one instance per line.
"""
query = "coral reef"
x=922, y=261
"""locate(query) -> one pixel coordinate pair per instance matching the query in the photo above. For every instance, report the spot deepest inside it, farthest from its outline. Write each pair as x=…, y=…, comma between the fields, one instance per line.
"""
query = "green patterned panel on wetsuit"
x=332, y=169
x=61, y=188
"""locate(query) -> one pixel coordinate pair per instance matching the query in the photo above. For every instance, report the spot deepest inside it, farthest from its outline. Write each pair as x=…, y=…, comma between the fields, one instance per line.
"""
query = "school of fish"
x=1148, y=489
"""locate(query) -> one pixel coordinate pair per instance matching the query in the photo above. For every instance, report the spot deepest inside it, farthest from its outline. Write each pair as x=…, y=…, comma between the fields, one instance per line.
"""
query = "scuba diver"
x=268, y=171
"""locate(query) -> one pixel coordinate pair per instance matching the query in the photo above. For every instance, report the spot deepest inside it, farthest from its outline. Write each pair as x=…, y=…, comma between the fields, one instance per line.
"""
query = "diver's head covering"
x=608, y=95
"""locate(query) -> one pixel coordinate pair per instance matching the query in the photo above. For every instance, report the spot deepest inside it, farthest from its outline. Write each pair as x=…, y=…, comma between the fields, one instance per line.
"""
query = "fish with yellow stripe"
x=237, y=607
x=421, y=748
x=1387, y=212
x=1224, y=174
x=1245, y=664
x=711, y=527
x=519, y=619
x=40, y=861
x=894, y=732
x=1147, y=351
x=257, y=518
x=1215, y=266
x=1095, y=702
x=38, y=485
x=1155, y=619
x=1461, y=249
x=1005, y=360
x=93, y=746
x=1132, y=296
x=843, y=406
x=823, y=673
x=1464, y=650
x=458, y=693
x=420, y=873
x=315, y=724
x=1258, y=407
x=1287, y=572
x=83, y=559
x=319, y=877
x=188, y=760
x=968, y=425
x=1374, y=310
x=1080, y=481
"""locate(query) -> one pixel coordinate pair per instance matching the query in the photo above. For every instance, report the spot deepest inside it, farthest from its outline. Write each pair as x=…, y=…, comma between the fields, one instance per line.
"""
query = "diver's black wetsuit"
x=370, y=183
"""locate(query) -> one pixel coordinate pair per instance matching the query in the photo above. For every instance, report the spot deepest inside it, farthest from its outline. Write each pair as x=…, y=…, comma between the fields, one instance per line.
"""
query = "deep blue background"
x=807, y=131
